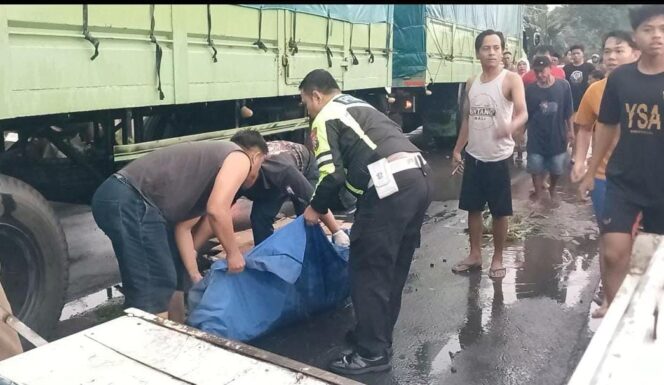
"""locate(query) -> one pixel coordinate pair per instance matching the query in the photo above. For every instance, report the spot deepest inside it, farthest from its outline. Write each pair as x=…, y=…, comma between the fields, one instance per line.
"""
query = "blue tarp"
x=291, y=275
x=353, y=13
x=410, y=56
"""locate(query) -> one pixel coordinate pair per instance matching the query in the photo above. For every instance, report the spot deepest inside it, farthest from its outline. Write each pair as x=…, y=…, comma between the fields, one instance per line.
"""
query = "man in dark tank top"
x=150, y=210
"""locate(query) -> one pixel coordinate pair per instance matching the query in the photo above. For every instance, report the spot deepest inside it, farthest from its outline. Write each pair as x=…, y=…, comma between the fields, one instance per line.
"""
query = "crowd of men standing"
x=611, y=103
x=161, y=208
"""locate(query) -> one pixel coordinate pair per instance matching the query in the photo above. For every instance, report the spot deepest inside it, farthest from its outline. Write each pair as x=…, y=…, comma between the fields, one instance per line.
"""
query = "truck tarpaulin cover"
x=409, y=28
x=352, y=13
x=291, y=275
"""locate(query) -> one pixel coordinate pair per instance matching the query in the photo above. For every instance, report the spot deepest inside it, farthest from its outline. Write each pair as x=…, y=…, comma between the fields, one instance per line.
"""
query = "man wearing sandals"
x=494, y=109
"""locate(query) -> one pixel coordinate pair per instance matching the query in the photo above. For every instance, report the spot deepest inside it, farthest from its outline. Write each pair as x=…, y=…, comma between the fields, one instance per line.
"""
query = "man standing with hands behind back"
x=494, y=109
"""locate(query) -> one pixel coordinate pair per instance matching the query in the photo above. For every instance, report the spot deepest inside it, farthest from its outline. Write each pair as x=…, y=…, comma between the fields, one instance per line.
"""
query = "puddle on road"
x=89, y=302
x=538, y=267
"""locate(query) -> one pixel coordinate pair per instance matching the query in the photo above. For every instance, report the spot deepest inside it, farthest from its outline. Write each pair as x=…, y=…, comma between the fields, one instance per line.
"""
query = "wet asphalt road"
x=531, y=328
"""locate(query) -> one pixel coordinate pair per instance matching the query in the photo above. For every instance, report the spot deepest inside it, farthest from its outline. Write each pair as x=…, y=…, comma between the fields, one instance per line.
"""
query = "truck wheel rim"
x=19, y=268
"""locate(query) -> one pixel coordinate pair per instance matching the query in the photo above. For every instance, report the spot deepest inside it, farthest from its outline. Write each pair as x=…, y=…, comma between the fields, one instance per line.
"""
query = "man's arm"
x=232, y=174
x=462, y=140
x=605, y=131
x=298, y=183
x=584, y=121
x=185, y=242
x=330, y=165
x=604, y=137
x=520, y=114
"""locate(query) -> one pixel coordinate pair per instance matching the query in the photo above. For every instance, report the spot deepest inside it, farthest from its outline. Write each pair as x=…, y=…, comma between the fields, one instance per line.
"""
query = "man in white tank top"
x=494, y=109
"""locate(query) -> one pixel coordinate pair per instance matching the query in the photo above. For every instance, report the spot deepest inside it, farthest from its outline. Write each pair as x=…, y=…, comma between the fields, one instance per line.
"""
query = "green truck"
x=84, y=89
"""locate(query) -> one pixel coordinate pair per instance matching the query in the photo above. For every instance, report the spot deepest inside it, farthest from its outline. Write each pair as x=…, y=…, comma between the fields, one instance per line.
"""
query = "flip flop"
x=466, y=267
x=497, y=273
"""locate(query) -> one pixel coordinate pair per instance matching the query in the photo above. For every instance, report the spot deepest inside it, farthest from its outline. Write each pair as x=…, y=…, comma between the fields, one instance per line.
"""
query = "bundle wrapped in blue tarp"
x=291, y=275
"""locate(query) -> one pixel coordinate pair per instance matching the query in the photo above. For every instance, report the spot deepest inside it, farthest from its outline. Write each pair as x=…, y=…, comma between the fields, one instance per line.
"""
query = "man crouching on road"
x=289, y=171
x=138, y=206
x=494, y=109
x=361, y=148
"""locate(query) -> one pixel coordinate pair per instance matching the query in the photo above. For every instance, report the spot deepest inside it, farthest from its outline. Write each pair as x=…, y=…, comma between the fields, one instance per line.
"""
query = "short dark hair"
x=620, y=36
x=542, y=49
x=250, y=138
x=556, y=55
x=577, y=46
x=319, y=80
x=639, y=15
x=597, y=74
x=480, y=39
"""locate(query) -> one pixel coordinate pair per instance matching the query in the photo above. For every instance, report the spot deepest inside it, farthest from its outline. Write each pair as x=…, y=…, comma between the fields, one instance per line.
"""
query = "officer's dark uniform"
x=348, y=134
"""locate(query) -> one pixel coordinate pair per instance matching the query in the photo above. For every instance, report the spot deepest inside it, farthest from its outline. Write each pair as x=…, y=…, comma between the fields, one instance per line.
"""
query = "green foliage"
x=576, y=24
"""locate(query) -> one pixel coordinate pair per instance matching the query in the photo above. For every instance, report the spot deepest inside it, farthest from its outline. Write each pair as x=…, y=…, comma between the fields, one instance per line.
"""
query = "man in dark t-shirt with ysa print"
x=633, y=103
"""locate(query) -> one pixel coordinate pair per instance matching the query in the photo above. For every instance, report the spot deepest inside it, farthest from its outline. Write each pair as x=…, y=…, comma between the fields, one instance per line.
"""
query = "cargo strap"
x=259, y=42
x=158, y=52
x=292, y=43
x=371, y=56
x=327, y=41
x=87, y=35
x=209, y=37
x=355, y=61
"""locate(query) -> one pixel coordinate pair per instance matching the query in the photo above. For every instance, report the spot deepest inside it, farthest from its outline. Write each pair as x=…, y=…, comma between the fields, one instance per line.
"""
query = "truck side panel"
x=49, y=69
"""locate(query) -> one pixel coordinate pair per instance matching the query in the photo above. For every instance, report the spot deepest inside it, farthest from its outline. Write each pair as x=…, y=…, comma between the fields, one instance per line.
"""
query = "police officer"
x=361, y=149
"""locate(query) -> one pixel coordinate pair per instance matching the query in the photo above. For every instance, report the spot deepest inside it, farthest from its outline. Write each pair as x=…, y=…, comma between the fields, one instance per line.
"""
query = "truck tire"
x=34, y=262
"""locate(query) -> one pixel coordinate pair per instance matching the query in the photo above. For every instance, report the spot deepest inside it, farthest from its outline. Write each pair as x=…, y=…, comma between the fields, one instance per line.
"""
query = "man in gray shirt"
x=150, y=210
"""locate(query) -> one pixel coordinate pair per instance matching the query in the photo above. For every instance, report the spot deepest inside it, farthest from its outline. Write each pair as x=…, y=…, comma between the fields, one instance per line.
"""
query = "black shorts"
x=620, y=213
x=486, y=182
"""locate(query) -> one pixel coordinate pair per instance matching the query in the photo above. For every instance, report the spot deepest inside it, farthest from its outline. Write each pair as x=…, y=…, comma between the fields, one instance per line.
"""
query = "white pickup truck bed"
x=140, y=348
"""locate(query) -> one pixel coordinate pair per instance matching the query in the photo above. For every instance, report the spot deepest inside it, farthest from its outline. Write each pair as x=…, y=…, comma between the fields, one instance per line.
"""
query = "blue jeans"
x=143, y=242
x=539, y=164
x=597, y=196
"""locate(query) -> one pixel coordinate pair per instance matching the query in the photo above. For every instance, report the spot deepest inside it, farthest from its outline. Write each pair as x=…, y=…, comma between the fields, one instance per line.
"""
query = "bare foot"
x=533, y=196
x=467, y=265
x=496, y=265
x=600, y=312
x=555, y=199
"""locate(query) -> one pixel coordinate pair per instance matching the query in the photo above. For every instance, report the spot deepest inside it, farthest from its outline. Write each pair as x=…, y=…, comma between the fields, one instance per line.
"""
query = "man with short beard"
x=493, y=111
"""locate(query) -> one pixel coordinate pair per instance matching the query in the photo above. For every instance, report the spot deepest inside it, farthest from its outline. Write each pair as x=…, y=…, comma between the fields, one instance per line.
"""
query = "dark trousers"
x=384, y=237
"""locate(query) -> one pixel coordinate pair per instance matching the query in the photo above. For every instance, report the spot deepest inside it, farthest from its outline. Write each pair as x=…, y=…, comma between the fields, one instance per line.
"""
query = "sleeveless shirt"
x=488, y=107
x=178, y=179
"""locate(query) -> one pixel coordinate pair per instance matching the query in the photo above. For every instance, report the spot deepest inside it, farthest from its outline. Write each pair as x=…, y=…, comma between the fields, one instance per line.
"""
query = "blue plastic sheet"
x=290, y=276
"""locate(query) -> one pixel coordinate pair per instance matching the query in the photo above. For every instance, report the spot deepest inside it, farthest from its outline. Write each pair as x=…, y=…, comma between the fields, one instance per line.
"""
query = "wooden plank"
x=141, y=348
x=79, y=360
x=188, y=359
x=245, y=349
